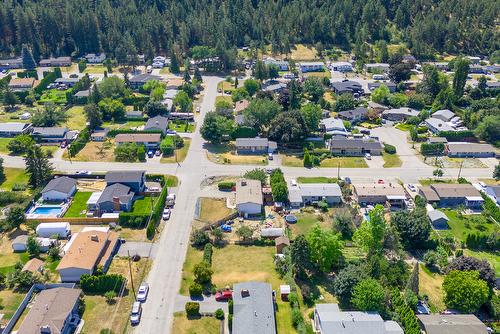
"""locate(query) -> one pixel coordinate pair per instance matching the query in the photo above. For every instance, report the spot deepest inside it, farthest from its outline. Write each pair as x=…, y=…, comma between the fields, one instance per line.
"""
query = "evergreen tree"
x=2, y=172
x=307, y=159
x=413, y=280
x=38, y=167
x=187, y=77
x=197, y=74
x=95, y=95
x=260, y=71
x=28, y=60
x=460, y=77
x=174, y=63
x=10, y=99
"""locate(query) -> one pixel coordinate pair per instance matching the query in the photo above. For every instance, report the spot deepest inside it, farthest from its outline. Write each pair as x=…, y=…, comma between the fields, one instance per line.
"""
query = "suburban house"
x=281, y=64
x=329, y=319
x=55, y=62
x=12, y=129
x=54, y=310
x=444, y=120
x=471, y=150
x=241, y=105
x=451, y=323
x=157, y=123
x=95, y=58
x=69, y=82
x=149, y=140
x=21, y=84
x=353, y=115
x=347, y=87
x=341, y=66
x=354, y=146
x=34, y=265
x=315, y=66
x=253, y=308
x=374, y=85
x=377, y=106
x=114, y=198
x=249, y=199
x=494, y=193
x=391, y=194
x=445, y=115
x=450, y=195
x=438, y=219
x=376, y=67
x=310, y=193
x=275, y=88
x=435, y=140
x=133, y=179
x=333, y=126
x=139, y=80
x=399, y=114
x=134, y=114
x=85, y=252
x=53, y=134
x=436, y=125
x=255, y=145
x=492, y=85
x=442, y=66
x=99, y=135
x=59, y=189
x=10, y=64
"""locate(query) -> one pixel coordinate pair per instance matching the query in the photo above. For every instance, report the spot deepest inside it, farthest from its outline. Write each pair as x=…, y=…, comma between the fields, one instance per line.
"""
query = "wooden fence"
x=76, y=220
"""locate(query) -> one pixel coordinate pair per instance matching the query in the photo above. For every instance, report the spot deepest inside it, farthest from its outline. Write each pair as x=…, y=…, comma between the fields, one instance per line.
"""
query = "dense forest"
x=74, y=27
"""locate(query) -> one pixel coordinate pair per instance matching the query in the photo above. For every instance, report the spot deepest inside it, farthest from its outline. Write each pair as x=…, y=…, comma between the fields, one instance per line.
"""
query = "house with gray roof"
x=70, y=82
x=471, y=150
x=253, y=308
x=308, y=193
x=329, y=319
x=437, y=125
x=445, y=115
x=334, y=126
x=347, y=87
x=249, y=199
x=493, y=192
x=54, y=134
x=451, y=324
x=353, y=115
x=451, y=195
x=115, y=198
x=399, y=114
x=54, y=310
x=275, y=87
x=133, y=179
x=55, y=62
x=255, y=145
x=438, y=219
x=139, y=80
x=12, y=129
x=374, y=85
x=311, y=66
x=134, y=114
x=59, y=189
x=354, y=146
x=157, y=123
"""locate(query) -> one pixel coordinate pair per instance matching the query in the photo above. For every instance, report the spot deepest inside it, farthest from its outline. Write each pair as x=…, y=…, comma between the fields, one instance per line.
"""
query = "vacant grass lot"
x=203, y=325
x=78, y=204
x=179, y=154
x=427, y=182
x=345, y=162
x=76, y=118
x=223, y=154
x=430, y=284
x=225, y=86
x=213, y=209
x=391, y=160
x=3, y=145
x=13, y=176
x=223, y=98
x=95, y=151
x=54, y=95
x=305, y=223
x=460, y=226
x=180, y=126
x=316, y=179
x=127, y=125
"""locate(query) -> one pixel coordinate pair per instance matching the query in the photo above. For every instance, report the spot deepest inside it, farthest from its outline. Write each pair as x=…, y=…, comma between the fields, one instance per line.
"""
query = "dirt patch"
x=91, y=185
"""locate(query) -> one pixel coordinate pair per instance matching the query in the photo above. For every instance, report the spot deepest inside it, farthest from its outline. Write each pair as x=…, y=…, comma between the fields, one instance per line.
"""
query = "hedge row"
x=28, y=74
x=278, y=186
x=244, y=132
x=133, y=220
x=456, y=135
x=114, y=132
x=135, y=100
x=207, y=253
x=483, y=241
x=101, y=283
x=390, y=149
x=48, y=78
x=80, y=142
x=432, y=148
x=226, y=185
x=157, y=212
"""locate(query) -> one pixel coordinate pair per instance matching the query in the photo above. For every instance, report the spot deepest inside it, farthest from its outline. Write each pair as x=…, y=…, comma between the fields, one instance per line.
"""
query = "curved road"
x=165, y=275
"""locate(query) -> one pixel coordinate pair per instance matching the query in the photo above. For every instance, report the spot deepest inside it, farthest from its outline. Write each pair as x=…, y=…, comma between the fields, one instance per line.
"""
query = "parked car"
x=135, y=315
x=151, y=154
x=158, y=153
x=198, y=109
x=149, y=69
x=412, y=187
x=171, y=132
x=368, y=156
x=269, y=170
x=226, y=228
x=83, y=172
x=63, y=144
x=482, y=184
x=142, y=293
x=380, y=181
x=270, y=156
x=166, y=214
x=223, y=295
x=170, y=200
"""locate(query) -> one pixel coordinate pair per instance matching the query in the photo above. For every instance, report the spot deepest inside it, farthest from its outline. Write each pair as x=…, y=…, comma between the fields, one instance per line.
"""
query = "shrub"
x=230, y=322
x=48, y=78
x=207, y=253
x=202, y=273
x=195, y=290
x=192, y=309
x=244, y=132
x=110, y=296
x=101, y=283
x=390, y=149
x=225, y=186
x=219, y=314
x=199, y=238
x=296, y=317
x=456, y=135
x=150, y=230
x=80, y=142
x=432, y=149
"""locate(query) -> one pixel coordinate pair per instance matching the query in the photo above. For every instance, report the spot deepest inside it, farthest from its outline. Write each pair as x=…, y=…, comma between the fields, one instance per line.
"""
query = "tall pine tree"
x=38, y=167
x=28, y=60
x=174, y=63
x=460, y=77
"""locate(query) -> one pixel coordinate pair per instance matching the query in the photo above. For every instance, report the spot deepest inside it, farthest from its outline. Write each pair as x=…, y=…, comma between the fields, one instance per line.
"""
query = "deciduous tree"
x=465, y=290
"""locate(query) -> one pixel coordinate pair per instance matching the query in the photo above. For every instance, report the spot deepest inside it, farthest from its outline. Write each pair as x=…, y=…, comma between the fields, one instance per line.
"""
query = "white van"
x=135, y=315
x=378, y=77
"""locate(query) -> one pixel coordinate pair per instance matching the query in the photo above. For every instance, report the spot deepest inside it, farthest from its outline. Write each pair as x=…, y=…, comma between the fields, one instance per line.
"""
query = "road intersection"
x=165, y=275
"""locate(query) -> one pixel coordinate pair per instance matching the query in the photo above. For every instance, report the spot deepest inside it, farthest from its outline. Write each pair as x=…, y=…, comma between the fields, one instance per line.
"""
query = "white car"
x=368, y=156
x=166, y=214
x=482, y=184
x=142, y=293
x=412, y=187
x=198, y=109
x=135, y=315
x=83, y=172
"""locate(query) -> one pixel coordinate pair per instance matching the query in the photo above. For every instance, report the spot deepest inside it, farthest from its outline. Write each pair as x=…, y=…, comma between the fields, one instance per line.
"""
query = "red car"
x=380, y=181
x=223, y=295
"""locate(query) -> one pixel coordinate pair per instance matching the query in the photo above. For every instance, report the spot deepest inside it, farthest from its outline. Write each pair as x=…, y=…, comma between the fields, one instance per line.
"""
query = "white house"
x=249, y=197
x=46, y=230
x=59, y=189
x=315, y=66
x=95, y=58
x=341, y=66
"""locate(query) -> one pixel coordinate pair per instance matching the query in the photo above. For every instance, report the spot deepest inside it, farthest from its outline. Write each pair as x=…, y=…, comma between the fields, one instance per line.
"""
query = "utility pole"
x=130, y=272
x=338, y=171
x=460, y=170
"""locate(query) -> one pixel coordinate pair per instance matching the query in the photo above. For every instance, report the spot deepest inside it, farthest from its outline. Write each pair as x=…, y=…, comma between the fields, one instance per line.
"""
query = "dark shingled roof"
x=61, y=184
x=124, y=176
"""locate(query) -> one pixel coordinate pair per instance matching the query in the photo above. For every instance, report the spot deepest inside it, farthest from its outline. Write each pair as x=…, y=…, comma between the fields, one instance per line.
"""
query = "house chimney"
x=45, y=329
x=116, y=204
x=94, y=237
x=245, y=293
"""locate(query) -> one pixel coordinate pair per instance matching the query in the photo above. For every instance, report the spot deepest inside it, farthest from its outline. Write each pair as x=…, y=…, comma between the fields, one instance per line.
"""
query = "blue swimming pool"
x=47, y=210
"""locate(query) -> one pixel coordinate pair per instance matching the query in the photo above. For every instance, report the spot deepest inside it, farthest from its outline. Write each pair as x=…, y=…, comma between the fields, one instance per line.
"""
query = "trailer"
x=46, y=230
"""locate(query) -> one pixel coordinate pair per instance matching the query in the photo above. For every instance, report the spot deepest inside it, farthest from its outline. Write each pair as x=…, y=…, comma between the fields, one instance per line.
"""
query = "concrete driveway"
x=375, y=162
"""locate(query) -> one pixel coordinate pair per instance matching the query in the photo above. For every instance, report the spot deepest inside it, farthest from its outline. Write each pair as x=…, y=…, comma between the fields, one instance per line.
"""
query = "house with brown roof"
x=149, y=140
x=249, y=197
x=450, y=195
x=391, y=194
x=34, y=265
x=21, y=84
x=85, y=252
x=53, y=311
x=281, y=243
x=55, y=62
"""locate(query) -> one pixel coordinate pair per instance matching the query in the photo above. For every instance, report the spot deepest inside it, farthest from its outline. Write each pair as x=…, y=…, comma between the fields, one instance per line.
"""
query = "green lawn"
x=427, y=182
x=180, y=126
x=171, y=180
x=403, y=127
x=54, y=95
x=13, y=176
x=179, y=154
x=3, y=145
x=143, y=205
x=470, y=224
x=128, y=125
x=391, y=160
x=95, y=69
x=223, y=98
x=345, y=162
x=203, y=325
x=305, y=223
x=78, y=204
x=492, y=258
x=316, y=179
x=76, y=118
x=225, y=86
